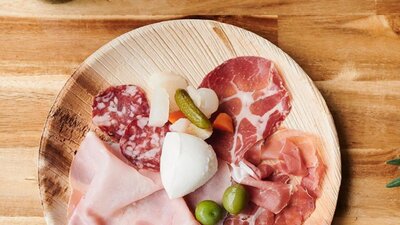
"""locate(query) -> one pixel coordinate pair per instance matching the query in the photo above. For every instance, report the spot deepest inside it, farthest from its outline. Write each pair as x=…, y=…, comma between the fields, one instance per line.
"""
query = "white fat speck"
x=155, y=136
x=241, y=171
x=132, y=137
x=115, y=100
x=133, y=109
x=107, y=97
x=101, y=106
x=130, y=90
x=121, y=131
x=132, y=146
x=142, y=122
x=149, y=154
x=112, y=107
x=103, y=120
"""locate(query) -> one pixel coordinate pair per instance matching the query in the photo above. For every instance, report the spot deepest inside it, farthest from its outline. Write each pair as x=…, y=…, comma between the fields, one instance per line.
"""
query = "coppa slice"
x=116, y=107
x=250, y=90
x=142, y=144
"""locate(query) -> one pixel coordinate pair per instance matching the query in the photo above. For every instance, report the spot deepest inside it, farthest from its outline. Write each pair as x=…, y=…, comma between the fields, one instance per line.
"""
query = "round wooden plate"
x=189, y=47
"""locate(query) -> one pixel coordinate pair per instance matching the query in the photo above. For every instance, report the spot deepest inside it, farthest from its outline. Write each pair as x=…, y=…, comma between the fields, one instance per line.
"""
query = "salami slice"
x=141, y=143
x=116, y=107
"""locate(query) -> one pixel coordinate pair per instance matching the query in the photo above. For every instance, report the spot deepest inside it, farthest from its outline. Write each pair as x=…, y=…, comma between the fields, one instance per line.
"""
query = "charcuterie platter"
x=184, y=115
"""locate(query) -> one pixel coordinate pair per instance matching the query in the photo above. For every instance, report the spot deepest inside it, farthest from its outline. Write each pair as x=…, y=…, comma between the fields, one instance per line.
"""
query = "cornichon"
x=187, y=106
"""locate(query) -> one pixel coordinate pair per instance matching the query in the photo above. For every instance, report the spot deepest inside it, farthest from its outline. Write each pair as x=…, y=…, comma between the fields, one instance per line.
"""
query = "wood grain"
x=31, y=76
x=362, y=48
x=89, y=8
x=388, y=7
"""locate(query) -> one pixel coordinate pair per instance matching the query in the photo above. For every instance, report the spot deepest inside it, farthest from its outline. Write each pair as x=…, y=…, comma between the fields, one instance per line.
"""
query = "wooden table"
x=350, y=48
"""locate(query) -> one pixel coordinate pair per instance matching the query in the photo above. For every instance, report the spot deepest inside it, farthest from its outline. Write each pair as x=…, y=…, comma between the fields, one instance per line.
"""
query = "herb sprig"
x=395, y=182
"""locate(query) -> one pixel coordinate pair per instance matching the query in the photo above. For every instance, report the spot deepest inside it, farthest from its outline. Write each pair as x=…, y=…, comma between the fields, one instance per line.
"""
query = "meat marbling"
x=250, y=90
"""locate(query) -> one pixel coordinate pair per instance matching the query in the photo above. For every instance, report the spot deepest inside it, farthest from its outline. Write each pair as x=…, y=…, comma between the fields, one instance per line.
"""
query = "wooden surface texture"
x=351, y=49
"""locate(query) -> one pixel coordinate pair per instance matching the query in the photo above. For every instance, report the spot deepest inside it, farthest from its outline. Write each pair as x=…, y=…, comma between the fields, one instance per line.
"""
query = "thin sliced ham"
x=156, y=209
x=106, y=188
x=213, y=189
x=251, y=90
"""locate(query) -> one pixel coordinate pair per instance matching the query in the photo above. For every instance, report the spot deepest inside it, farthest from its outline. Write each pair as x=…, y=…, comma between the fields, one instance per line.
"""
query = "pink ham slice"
x=107, y=183
x=251, y=90
x=213, y=189
x=155, y=210
x=105, y=187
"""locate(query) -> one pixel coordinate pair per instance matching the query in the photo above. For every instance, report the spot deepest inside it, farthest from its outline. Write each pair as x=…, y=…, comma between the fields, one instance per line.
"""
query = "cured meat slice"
x=142, y=144
x=252, y=215
x=293, y=160
x=273, y=196
x=107, y=191
x=213, y=189
x=288, y=173
x=312, y=182
x=103, y=184
x=116, y=107
x=299, y=209
x=250, y=90
x=298, y=155
x=155, y=209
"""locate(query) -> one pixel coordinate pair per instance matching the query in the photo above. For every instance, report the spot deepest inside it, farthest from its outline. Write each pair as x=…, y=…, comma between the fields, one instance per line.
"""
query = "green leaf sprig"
x=395, y=182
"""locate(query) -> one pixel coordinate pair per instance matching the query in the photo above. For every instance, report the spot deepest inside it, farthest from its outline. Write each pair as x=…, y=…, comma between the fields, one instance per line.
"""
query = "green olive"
x=235, y=199
x=208, y=212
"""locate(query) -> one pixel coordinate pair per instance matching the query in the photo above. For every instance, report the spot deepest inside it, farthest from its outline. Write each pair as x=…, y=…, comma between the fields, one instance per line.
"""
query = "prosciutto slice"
x=252, y=215
x=287, y=179
x=273, y=196
x=250, y=90
x=293, y=153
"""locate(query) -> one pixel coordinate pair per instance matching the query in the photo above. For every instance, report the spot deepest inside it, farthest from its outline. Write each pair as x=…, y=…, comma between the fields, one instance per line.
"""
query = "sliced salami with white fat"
x=142, y=144
x=116, y=107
